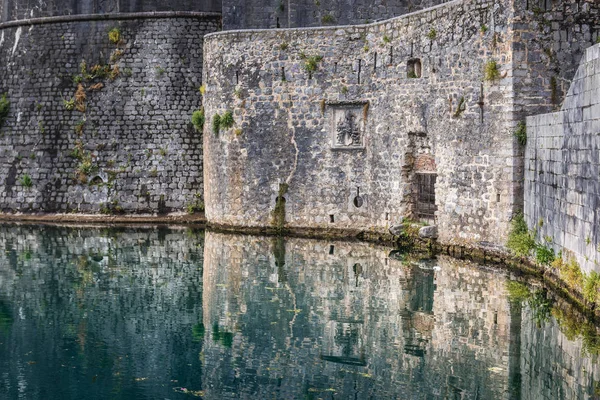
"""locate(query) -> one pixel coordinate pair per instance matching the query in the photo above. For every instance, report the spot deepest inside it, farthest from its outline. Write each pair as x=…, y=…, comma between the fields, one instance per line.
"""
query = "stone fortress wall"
x=123, y=141
x=284, y=151
x=349, y=144
x=288, y=122
x=14, y=10
x=253, y=14
x=562, y=176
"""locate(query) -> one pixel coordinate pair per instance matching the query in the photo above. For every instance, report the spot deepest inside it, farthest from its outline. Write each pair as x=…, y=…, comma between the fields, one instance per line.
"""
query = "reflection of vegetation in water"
x=6, y=318
x=223, y=337
x=198, y=332
x=517, y=292
x=541, y=305
x=571, y=324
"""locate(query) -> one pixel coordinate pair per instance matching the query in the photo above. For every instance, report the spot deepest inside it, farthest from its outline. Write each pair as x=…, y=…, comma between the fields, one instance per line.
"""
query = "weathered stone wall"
x=550, y=38
x=287, y=122
x=11, y=10
x=129, y=146
x=245, y=14
x=562, y=169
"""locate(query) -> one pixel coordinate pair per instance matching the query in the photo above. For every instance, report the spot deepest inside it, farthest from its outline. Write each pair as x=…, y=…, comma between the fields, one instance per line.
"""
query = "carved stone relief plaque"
x=348, y=125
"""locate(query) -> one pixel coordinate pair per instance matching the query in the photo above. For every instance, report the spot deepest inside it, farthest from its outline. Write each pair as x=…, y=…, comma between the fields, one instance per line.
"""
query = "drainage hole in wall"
x=332, y=218
x=331, y=249
x=358, y=202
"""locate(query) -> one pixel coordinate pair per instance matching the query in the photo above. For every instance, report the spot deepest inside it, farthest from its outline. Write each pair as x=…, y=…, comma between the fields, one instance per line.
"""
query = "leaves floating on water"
x=195, y=393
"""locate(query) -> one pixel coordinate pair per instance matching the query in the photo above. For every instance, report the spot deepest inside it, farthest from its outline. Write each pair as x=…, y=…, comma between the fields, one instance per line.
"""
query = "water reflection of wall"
x=308, y=317
x=96, y=310
x=110, y=310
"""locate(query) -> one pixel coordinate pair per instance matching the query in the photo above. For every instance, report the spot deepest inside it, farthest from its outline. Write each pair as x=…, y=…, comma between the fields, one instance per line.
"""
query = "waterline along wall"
x=350, y=127
x=562, y=177
x=99, y=122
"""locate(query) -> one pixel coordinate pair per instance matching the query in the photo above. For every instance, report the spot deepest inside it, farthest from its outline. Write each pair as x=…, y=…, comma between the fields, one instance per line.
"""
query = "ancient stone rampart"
x=100, y=122
x=12, y=10
x=562, y=169
x=347, y=127
x=254, y=14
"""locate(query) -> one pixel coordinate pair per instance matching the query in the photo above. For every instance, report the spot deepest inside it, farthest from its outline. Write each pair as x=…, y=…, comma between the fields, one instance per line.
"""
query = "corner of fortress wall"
x=414, y=85
x=562, y=169
x=128, y=145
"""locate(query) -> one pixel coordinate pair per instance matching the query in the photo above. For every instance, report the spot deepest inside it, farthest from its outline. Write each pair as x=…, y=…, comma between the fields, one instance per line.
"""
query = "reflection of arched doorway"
x=425, y=180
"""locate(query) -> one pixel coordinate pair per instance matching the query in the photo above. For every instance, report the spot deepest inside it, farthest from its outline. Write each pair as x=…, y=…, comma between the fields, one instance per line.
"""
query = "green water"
x=181, y=314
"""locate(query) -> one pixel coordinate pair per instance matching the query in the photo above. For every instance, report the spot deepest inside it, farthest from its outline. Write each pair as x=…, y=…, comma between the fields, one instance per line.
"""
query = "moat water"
x=182, y=314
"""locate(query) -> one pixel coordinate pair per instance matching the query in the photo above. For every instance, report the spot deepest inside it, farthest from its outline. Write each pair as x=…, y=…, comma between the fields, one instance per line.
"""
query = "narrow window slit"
x=331, y=218
x=359, y=70
x=331, y=249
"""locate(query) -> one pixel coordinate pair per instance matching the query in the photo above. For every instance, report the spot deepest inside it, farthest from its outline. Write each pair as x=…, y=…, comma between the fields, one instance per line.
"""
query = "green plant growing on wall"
x=284, y=46
x=114, y=35
x=202, y=90
x=491, y=71
x=328, y=19
x=345, y=90
x=279, y=211
x=281, y=6
x=159, y=71
x=238, y=132
x=386, y=39
x=195, y=206
x=461, y=107
x=227, y=120
x=216, y=124
x=198, y=119
x=569, y=271
x=520, y=240
x=311, y=63
x=85, y=168
x=544, y=255
x=116, y=55
x=4, y=108
x=521, y=134
x=79, y=127
x=591, y=287
x=432, y=34
x=26, y=181
x=69, y=104
x=483, y=29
